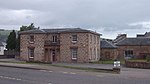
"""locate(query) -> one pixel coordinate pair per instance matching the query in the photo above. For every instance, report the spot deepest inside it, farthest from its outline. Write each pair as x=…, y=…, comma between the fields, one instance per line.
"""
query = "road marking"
x=1, y=76
x=72, y=73
x=100, y=75
x=49, y=83
x=11, y=78
x=18, y=79
x=65, y=72
x=43, y=70
x=50, y=71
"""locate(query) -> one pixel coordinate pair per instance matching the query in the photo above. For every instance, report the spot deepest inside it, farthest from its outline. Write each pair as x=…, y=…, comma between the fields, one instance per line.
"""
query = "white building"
x=2, y=47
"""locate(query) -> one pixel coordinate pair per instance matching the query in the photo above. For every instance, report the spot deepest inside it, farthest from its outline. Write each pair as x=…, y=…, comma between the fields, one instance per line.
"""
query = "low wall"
x=4, y=56
x=143, y=65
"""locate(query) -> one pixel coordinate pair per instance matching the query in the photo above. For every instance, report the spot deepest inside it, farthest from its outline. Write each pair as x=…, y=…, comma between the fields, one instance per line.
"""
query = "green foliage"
x=148, y=58
x=137, y=60
x=11, y=41
x=24, y=28
x=30, y=27
x=4, y=34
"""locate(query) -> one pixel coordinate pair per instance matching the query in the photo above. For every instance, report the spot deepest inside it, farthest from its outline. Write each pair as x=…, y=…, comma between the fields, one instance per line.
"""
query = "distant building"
x=2, y=47
x=108, y=50
x=60, y=45
x=138, y=48
x=146, y=35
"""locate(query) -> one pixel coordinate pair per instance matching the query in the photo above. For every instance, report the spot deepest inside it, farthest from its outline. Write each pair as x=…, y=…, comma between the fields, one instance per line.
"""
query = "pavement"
x=22, y=64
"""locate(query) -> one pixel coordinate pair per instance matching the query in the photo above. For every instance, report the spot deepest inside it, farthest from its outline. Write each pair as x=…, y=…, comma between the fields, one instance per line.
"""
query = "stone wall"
x=138, y=51
x=66, y=44
x=108, y=54
x=38, y=44
x=83, y=44
x=143, y=65
x=88, y=45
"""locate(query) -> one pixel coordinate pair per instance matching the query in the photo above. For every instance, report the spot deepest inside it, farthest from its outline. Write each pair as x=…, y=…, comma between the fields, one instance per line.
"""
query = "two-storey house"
x=60, y=45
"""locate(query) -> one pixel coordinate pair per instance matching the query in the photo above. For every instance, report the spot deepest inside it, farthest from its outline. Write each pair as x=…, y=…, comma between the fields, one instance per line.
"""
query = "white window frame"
x=54, y=38
x=31, y=40
x=128, y=53
x=31, y=53
x=74, y=52
x=74, y=38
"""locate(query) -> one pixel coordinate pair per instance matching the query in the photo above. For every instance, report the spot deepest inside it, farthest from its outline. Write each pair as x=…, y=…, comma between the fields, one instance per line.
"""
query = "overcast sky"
x=108, y=17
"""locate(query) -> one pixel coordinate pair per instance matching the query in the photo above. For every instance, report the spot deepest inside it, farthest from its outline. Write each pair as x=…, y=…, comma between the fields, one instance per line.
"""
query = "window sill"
x=74, y=58
x=74, y=41
x=31, y=57
x=31, y=42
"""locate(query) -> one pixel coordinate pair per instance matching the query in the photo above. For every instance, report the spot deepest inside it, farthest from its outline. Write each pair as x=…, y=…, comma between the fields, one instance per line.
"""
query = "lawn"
x=137, y=60
x=108, y=62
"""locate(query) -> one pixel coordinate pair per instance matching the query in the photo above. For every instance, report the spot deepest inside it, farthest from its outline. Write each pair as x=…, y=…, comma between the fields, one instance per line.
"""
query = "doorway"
x=54, y=55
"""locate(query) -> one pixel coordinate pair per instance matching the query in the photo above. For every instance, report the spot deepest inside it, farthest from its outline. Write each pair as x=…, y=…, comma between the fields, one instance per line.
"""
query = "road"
x=27, y=76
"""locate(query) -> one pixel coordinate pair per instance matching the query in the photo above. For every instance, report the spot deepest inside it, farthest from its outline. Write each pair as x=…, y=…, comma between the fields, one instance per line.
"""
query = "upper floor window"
x=74, y=38
x=94, y=39
x=90, y=38
x=54, y=38
x=31, y=38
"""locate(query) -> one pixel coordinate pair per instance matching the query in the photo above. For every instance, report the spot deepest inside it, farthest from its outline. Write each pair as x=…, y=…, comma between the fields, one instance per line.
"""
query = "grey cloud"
x=104, y=15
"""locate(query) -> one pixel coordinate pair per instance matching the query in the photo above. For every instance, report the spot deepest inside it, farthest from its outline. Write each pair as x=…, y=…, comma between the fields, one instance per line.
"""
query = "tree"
x=30, y=27
x=11, y=41
x=24, y=28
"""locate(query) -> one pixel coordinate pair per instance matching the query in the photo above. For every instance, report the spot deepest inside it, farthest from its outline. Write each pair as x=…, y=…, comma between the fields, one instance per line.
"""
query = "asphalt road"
x=27, y=76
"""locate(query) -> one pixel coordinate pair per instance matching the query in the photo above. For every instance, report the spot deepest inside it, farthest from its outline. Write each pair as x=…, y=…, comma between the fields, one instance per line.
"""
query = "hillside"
x=4, y=34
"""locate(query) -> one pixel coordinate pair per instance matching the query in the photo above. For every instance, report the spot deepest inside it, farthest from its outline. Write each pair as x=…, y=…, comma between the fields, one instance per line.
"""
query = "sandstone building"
x=137, y=48
x=60, y=45
x=108, y=50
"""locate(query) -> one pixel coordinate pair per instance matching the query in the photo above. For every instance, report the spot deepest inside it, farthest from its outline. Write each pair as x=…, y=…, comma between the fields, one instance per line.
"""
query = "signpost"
x=116, y=66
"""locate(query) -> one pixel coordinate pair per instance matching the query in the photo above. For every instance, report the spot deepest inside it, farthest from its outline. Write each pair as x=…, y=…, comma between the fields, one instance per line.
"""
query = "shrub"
x=148, y=58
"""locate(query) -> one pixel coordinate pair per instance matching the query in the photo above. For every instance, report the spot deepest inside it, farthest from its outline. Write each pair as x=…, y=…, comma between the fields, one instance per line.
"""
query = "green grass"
x=108, y=62
x=87, y=69
x=137, y=60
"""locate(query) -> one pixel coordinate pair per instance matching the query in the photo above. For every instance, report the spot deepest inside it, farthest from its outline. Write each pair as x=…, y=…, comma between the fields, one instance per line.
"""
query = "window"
x=128, y=53
x=74, y=38
x=74, y=53
x=31, y=52
x=54, y=38
x=94, y=39
x=31, y=38
x=98, y=40
x=90, y=38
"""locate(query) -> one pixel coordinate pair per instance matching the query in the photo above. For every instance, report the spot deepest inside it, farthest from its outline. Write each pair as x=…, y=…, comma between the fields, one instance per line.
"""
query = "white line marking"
x=11, y=78
x=18, y=79
x=50, y=71
x=72, y=73
x=43, y=70
x=100, y=75
x=65, y=72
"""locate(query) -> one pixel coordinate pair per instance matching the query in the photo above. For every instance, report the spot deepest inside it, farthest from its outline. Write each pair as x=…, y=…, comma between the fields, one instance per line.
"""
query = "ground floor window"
x=74, y=53
x=31, y=52
x=128, y=53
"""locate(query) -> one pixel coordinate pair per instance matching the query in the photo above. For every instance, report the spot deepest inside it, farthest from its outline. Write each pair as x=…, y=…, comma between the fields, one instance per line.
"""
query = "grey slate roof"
x=106, y=44
x=62, y=30
x=134, y=42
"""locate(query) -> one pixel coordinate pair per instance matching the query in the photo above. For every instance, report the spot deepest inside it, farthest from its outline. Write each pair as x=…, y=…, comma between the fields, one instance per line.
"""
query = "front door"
x=53, y=55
